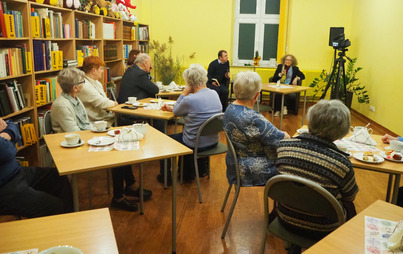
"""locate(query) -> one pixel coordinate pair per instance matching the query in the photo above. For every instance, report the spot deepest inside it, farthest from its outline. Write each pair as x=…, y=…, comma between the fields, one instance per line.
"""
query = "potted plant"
x=166, y=67
x=256, y=59
x=353, y=87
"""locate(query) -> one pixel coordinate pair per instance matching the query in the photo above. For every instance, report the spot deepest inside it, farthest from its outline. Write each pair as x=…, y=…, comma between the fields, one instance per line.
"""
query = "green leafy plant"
x=352, y=83
x=167, y=68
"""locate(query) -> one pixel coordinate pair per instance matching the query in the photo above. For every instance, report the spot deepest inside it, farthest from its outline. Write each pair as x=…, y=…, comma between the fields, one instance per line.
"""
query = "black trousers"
x=119, y=176
x=222, y=92
x=35, y=192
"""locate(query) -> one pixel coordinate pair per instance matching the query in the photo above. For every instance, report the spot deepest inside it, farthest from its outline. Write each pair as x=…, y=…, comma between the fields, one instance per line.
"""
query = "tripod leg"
x=344, y=85
x=330, y=81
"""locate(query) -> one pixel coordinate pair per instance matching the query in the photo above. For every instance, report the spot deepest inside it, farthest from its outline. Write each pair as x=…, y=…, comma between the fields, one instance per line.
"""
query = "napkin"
x=173, y=86
x=396, y=239
x=362, y=136
x=129, y=135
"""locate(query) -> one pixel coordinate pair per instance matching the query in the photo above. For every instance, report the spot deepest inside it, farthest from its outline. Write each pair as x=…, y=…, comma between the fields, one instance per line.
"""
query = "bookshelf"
x=65, y=31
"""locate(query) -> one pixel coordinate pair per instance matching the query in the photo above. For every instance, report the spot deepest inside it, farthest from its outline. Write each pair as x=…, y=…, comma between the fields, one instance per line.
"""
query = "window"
x=256, y=28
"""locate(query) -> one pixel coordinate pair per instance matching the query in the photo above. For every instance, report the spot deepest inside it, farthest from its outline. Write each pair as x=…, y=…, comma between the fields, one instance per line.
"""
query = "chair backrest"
x=231, y=150
x=211, y=126
x=111, y=92
x=304, y=195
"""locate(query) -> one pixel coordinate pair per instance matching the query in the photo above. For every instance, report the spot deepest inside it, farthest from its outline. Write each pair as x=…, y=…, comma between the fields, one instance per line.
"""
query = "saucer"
x=62, y=250
x=112, y=132
x=155, y=100
x=64, y=144
x=140, y=104
x=97, y=131
x=101, y=141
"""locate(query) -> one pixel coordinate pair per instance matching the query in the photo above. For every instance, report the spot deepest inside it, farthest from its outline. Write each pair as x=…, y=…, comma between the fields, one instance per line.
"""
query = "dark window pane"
x=246, y=42
x=247, y=7
x=270, y=41
x=272, y=7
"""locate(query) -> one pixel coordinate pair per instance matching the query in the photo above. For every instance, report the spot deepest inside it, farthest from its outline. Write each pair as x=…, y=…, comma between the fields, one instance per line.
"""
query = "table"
x=272, y=88
x=155, y=146
x=146, y=113
x=90, y=231
x=350, y=237
x=394, y=169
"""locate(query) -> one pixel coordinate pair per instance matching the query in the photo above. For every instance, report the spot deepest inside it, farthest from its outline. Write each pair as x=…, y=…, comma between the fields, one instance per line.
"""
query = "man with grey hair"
x=314, y=156
x=136, y=81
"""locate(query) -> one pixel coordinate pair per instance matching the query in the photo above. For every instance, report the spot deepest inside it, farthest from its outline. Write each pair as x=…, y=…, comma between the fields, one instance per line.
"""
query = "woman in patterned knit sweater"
x=314, y=156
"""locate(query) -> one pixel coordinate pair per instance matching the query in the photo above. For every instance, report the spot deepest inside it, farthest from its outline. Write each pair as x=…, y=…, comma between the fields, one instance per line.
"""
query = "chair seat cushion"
x=220, y=148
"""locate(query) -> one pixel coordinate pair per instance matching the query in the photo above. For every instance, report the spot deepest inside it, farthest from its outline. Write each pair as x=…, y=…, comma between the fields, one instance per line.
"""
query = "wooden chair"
x=303, y=195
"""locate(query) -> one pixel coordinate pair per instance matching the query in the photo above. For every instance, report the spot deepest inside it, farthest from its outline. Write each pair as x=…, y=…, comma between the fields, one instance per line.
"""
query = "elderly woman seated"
x=314, y=156
x=68, y=114
x=253, y=136
x=196, y=104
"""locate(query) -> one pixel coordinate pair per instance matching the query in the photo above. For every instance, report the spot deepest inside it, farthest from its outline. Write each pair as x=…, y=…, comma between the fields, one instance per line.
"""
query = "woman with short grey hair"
x=329, y=119
x=141, y=58
x=314, y=156
x=195, y=75
x=253, y=136
x=68, y=112
x=196, y=104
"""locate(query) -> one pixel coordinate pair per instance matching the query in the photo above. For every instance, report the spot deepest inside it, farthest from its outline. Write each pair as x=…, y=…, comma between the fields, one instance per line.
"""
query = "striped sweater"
x=320, y=161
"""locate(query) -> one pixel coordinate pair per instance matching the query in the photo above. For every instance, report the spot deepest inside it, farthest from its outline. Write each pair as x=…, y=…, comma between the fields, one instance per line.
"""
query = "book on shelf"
x=82, y=51
x=47, y=56
x=110, y=52
x=143, y=33
x=22, y=161
x=12, y=98
x=46, y=23
x=26, y=129
x=70, y=63
x=107, y=75
x=46, y=90
x=11, y=22
x=3, y=31
x=109, y=30
x=126, y=50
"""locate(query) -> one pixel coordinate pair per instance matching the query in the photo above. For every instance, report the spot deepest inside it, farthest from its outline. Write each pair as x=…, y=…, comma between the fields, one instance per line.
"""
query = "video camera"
x=340, y=42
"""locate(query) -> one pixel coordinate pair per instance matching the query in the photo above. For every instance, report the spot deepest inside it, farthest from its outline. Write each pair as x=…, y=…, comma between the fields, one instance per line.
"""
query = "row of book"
x=27, y=131
x=15, y=61
x=110, y=52
x=47, y=56
x=126, y=50
x=85, y=29
x=107, y=75
x=129, y=32
x=11, y=22
x=82, y=51
x=143, y=33
x=12, y=98
x=47, y=23
x=46, y=90
x=143, y=47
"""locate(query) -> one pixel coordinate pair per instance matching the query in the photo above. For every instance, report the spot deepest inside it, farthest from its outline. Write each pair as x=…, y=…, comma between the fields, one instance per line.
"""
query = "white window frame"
x=260, y=19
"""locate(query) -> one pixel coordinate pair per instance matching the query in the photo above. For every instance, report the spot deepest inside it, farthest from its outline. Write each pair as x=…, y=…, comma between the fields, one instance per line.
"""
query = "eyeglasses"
x=81, y=82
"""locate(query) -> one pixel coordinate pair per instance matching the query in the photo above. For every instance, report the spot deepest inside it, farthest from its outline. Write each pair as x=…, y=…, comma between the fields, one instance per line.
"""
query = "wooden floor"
x=200, y=225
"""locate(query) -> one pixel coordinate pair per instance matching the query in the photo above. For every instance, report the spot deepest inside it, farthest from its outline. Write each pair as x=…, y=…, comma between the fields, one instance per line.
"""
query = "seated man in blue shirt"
x=29, y=191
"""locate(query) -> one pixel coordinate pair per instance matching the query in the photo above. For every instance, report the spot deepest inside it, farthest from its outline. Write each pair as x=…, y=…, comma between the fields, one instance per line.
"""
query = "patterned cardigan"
x=320, y=161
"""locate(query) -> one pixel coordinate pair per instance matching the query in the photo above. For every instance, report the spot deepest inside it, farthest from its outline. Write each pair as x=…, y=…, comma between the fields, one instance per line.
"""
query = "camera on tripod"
x=340, y=42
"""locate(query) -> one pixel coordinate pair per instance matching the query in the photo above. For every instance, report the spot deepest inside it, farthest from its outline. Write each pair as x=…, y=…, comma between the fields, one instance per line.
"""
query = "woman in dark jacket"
x=289, y=74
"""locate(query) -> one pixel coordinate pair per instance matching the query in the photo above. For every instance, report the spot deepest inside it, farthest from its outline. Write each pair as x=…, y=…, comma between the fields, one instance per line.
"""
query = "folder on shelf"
x=60, y=60
x=55, y=60
x=10, y=27
x=35, y=26
x=28, y=62
x=47, y=28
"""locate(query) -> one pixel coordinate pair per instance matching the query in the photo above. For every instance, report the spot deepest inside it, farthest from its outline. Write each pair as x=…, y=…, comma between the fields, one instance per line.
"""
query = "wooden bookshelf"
x=68, y=46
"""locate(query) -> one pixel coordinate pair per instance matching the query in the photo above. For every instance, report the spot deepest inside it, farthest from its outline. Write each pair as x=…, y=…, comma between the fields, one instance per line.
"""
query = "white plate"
x=128, y=103
x=101, y=141
x=62, y=250
x=359, y=156
x=64, y=144
x=112, y=133
x=155, y=100
x=390, y=158
x=140, y=104
x=97, y=131
x=300, y=131
x=170, y=103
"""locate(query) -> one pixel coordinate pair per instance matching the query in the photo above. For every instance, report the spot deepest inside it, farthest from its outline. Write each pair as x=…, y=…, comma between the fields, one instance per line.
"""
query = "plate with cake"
x=391, y=155
x=368, y=157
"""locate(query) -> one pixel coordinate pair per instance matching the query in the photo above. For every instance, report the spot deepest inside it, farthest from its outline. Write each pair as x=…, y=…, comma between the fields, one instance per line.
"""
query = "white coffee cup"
x=100, y=125
x=140, y=128
x=396, y=145
x=72, y=138
x=132, y=99
x=159, y=84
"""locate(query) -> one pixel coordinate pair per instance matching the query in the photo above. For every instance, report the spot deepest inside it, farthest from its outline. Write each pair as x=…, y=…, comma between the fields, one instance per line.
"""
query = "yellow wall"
x=377, y=37
x=373, y=26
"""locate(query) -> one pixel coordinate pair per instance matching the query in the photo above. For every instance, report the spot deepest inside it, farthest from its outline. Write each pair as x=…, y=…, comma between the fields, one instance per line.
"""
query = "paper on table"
x=377, y=233
x=124, y=146
x=282, y=86
x=100, y=148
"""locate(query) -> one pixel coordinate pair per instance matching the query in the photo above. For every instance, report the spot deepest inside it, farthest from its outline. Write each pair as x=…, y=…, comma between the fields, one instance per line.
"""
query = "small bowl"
x=396, y=145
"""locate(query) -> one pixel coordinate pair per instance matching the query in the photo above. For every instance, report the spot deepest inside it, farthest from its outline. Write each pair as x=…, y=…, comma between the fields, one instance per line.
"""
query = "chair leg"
x=263, y=245
x=237, y=189
x=198, y=179
x=208, y=168
x=165, y=174
x=226, y=198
